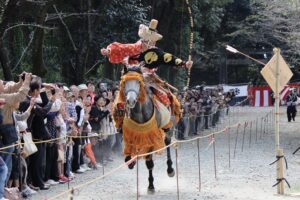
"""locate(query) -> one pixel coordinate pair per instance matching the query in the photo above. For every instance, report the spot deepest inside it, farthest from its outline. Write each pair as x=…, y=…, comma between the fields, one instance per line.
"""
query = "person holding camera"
x=36, y=125
x=13, y=94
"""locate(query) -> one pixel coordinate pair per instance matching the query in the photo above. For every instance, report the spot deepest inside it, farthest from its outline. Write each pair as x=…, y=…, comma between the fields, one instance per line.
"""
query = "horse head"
x=132, y=88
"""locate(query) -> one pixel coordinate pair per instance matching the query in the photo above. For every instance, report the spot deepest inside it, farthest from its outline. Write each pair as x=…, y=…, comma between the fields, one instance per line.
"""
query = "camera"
x=32, y=77
x=23, y=76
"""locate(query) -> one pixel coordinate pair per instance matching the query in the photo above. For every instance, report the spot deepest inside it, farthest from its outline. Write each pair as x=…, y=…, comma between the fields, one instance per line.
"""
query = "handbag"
x=61, y=156
x=8, y=134
x=29, y=147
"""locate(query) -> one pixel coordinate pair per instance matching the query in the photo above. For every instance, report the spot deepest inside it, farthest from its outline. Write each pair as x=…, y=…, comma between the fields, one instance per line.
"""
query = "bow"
x=190, y=48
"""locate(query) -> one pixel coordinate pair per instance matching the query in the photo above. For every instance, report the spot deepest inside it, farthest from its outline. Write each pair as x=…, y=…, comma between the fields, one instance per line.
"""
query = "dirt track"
x=249, y=178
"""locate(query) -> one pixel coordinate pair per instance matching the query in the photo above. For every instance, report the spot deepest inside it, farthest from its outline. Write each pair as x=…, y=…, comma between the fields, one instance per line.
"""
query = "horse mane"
x=133, y=75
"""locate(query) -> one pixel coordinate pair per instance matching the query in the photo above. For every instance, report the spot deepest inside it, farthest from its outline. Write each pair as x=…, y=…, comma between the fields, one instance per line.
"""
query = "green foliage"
x=90, y=25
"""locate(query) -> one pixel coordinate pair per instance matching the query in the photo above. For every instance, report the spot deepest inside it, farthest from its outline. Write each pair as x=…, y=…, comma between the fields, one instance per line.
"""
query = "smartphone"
x=23, y=76
x=53, y=91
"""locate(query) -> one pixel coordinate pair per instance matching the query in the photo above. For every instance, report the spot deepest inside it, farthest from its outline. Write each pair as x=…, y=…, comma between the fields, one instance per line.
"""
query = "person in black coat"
x=291, y=105
x=37, y=127
x=97, y=114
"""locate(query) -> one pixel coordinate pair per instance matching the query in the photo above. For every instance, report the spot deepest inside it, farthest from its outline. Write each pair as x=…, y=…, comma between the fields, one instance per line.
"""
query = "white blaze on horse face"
x=132, y=90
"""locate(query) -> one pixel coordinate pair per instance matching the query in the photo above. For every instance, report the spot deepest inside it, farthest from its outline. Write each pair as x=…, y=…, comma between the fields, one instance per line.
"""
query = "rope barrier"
x=82, y=137
x=55, y=139
x=137, y=156
x=94, y=180
x=174, y=144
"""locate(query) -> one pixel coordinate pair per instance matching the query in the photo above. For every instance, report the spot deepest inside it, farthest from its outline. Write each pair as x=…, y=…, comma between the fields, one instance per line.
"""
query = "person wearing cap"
x=291, y=100
x=83, y=90
x=65, y=91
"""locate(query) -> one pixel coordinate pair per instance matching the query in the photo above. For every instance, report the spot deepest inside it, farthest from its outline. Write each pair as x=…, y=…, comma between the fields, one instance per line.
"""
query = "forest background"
x=61, y=40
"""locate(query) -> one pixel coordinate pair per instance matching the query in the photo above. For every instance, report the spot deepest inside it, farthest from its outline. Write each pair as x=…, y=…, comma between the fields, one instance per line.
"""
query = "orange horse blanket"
x=142, y=138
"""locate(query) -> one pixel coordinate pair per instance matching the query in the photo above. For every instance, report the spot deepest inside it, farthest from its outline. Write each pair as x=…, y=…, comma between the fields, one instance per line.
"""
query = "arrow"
x=233, y=50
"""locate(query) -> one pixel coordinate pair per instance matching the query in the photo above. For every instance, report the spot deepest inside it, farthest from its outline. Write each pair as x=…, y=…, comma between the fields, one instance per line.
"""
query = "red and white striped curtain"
x=260, y=96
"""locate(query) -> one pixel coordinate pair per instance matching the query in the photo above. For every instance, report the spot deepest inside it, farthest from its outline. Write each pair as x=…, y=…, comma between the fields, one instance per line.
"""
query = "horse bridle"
x=131, y=90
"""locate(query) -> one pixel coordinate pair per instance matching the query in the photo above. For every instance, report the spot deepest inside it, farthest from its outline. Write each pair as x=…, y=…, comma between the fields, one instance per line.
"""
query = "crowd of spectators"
x=46, y=114
x=202, y=109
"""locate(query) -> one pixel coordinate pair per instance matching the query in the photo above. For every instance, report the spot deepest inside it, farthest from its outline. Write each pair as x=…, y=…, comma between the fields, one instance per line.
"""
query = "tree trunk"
x=4, y=58
x=38, y=65
x=5, y=63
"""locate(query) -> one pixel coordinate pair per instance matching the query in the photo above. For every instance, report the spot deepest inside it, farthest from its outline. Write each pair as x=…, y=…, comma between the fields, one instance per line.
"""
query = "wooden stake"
x=198, y=146
x=264, y=126
x=261, y=127
x=177, y=177
x=280, y=172
x=137, y=178
x=229, y=147
x=236, y=138
x=245, y=125
x=214, y=147
x=250, y=133
x=71, y=195
x=256, y=130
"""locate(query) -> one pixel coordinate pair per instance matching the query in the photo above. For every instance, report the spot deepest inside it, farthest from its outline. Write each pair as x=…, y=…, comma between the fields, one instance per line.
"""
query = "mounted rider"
x=145, y=55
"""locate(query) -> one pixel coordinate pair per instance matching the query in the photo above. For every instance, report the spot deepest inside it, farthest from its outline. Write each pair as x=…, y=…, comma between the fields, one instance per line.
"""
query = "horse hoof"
x=151, y=190
x=172, y=174
x=131, y=165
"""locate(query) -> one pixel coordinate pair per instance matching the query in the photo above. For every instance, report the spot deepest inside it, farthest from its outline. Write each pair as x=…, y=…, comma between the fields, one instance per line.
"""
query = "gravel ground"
x=249, y=178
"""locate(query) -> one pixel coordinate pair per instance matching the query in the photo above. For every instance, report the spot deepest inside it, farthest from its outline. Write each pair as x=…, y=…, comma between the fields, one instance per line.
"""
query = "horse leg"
x=170, y=169
x=132, y=164
x=150, y=165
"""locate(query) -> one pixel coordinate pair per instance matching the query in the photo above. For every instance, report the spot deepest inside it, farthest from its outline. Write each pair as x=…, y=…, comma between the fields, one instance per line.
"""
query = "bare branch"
x=66, y=27
x=66, y=15
x=23, y=53
x=92, y=67
x=28, y=25
x=37, y=2
x=72, y=64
